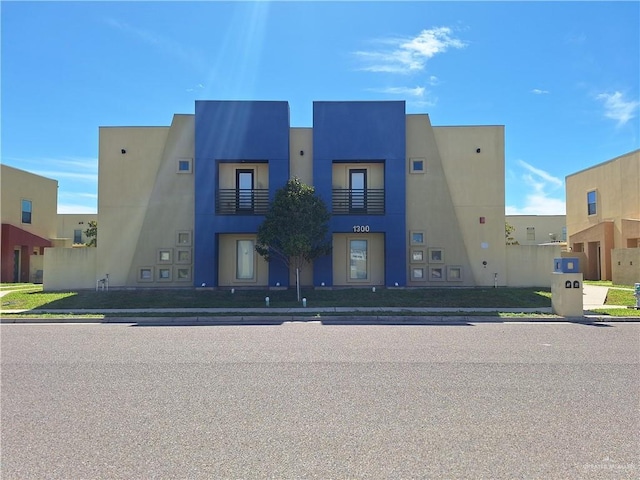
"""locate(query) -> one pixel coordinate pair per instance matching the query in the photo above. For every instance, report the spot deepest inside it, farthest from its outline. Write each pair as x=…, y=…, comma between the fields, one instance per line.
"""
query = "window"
x=436, y=255
x=183, y=238
x=183, y=274
x=358, y=189
x=531, y=234
x=564, y=234
x=454, y=274
x=358, y=259
x=184, y=165
x=183, y=255
x=145, y=274
x=26, y=211
x=591, y=202
x=417, y=273
x=436, y=273
x=164, y=274
x=417, y=165
x=77, y=236
x=245, y=260
x=244, y=189
x=417, y=238
x=417, y=256
x=164, y=255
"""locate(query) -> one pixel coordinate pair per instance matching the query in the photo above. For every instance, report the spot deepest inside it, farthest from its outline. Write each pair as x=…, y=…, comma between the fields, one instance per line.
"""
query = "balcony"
x=242, y=202
x=358, y=202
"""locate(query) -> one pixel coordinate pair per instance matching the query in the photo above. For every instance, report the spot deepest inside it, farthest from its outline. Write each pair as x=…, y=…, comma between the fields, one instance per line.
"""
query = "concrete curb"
x=325, y=320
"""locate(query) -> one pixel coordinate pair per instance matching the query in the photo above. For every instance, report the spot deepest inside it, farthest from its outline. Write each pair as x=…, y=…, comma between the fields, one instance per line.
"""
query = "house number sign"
x=361, y=229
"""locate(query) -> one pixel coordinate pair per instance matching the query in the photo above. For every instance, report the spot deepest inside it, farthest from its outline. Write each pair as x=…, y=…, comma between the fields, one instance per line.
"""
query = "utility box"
x=566, y=288
x=566, y=265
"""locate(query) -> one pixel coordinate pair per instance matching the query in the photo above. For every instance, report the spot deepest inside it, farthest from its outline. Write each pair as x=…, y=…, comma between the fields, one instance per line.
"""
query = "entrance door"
x=16, y=266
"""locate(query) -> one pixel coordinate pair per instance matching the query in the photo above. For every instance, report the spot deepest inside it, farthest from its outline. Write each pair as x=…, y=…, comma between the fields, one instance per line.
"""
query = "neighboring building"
x=538, y=229
x=28, y=209
x=603, y=218
x=180, y=205
x=72, y=227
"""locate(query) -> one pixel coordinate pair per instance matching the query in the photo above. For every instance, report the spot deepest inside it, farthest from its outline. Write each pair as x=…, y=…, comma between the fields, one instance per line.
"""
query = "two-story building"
x=411, y=204
x=28, y=208
x=603, y=218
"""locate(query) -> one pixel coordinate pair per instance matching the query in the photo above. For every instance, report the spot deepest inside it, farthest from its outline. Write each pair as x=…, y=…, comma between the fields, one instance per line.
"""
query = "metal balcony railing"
x=242, y=202
x=358, y=202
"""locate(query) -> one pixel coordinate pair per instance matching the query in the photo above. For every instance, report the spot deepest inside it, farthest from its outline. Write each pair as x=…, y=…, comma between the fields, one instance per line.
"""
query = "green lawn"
x=31, y=297
x=190, y=298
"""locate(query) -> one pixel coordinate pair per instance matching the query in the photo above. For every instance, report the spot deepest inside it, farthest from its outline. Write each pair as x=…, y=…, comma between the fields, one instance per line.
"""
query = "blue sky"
x=563, y=77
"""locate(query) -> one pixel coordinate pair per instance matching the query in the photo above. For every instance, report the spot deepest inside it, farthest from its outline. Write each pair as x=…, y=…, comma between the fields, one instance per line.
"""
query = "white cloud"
x=408, y=55
x=537, y=91
x=543, y=196
x=197, y=87
x=414, y=92
x=542, y=174
x=617, y=108
x=65, y=208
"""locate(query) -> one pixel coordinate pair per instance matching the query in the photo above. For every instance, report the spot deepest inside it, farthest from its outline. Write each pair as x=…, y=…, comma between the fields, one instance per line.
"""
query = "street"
x=307, y=400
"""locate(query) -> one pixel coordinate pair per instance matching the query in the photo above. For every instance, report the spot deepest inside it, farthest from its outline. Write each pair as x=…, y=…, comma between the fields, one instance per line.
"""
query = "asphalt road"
x=305, y=400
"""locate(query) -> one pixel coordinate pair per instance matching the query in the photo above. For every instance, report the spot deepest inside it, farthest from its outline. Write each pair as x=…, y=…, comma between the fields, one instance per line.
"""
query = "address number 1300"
x=361, y=229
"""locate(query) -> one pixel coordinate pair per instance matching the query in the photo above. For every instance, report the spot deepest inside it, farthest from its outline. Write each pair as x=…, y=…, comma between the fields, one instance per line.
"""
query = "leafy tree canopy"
x=295, y=229
x=92, y=234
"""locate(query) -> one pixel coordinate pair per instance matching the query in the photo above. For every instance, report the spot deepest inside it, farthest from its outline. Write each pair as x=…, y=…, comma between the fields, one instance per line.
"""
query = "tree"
x=295, y=230
x=92, y=234
x=508, y=233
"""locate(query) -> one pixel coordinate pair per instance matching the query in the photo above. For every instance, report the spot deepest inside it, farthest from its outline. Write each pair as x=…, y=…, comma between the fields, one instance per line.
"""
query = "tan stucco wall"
x=67, y=223
x=458, y=187
x=617, y=183
x=36, y=266
x=69, y=268
x=543, y=225
x=227, y=263
x=531, y=265
x=301, y=166
x=625, y=266
x=227, y=172
x=375, y=174
x=17, y=185
x=143, y=202
x=341, y=262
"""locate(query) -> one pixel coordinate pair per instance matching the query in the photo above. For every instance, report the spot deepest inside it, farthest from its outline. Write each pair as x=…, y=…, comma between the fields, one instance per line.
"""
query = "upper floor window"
x=531, y=233
x=417, y=165
x=358, y=188
x=244, y=186
x=26, y=211
x=184, y=165
x=77, y=236
x=591, y=202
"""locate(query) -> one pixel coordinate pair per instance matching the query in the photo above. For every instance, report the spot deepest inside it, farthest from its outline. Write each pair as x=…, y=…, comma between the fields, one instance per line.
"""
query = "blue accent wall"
x=367, y=132
x=234, y=131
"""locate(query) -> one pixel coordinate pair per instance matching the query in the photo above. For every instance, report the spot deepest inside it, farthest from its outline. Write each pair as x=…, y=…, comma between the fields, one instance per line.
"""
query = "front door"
x=16, y=266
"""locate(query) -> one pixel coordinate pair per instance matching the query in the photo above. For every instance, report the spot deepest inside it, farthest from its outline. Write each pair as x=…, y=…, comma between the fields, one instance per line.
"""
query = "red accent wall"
x=14, y=238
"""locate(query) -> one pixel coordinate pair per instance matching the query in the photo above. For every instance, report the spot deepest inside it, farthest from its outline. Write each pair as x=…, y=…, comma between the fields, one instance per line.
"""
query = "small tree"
x=508, y=233
x=295, y=230
x=92, y=234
